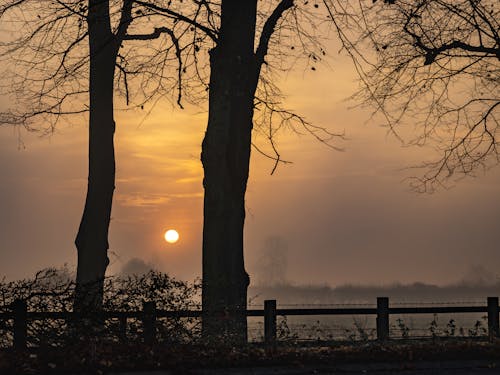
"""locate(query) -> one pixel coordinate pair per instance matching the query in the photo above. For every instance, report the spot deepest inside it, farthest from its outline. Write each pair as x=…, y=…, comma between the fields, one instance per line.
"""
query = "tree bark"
x=92, y=238
x=225, y=158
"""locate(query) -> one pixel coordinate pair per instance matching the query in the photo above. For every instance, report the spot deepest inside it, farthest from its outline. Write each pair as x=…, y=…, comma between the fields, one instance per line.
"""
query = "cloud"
x=136, y=266
x=136, y=200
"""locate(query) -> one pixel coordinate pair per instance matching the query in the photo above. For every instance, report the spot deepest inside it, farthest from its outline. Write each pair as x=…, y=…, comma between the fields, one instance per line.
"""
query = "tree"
x=226, y=157
x=92, y=238
x=240, y=84
x=52, y=72
x=272, y=263
x=235, y=72
x=242, y=100
x=435, y=64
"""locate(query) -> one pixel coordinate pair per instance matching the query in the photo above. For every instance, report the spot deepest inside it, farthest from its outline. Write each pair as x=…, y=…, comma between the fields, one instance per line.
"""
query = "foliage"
x=478, y=329
x=360, y=332
x=52, y=290
x=283, y=331
x=433, y=326
x=403, y=328
x=450, y=328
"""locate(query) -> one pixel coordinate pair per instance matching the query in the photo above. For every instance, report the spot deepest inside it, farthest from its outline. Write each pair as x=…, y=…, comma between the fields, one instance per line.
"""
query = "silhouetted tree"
x=235, y=64
x=436, y=65
x=243, y=99
x=54, y=74
x=240, y=85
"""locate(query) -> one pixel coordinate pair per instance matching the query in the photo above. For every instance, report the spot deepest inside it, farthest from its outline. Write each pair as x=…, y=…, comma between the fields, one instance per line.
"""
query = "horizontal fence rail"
x=149, y=314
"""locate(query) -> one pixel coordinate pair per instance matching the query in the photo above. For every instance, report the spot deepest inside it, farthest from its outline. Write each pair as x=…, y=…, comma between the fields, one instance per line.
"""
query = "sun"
x=171, y=236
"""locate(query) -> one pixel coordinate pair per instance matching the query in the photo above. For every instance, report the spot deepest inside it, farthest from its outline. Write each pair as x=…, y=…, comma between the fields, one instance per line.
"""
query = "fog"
x=336, y=217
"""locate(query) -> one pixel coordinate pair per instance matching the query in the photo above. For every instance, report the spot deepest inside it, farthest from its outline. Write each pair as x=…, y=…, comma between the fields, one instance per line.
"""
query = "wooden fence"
x=149, y=315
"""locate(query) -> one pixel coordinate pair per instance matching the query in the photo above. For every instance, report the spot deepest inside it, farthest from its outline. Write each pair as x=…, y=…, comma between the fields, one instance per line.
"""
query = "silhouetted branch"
x=125, y=20
x=156, y=34
x=268, y=29
x=169, y=12
x=433, y=64
x=277, y=158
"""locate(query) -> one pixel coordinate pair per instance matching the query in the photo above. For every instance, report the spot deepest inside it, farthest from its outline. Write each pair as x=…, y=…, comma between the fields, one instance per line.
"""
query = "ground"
x=395, y=357
x=388, y=368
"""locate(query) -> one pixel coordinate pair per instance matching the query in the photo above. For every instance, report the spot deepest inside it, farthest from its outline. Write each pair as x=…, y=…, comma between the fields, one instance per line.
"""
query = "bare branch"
x=209, y=32
x=268, y=29
x=125, y=20
x=434, y=65
x=277, y=158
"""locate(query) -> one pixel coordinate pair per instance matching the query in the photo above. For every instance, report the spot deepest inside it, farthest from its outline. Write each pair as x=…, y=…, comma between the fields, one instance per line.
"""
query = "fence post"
x=149, y=322
x=493, y=326
x=270, y=322
x=20, y=310
x=382, y=318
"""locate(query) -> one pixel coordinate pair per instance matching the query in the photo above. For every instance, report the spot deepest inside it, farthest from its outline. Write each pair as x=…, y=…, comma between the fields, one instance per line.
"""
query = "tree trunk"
x=225, y=157
x=92, y=238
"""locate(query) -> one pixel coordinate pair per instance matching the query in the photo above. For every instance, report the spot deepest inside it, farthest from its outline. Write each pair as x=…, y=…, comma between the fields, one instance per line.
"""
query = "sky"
x=342, y=217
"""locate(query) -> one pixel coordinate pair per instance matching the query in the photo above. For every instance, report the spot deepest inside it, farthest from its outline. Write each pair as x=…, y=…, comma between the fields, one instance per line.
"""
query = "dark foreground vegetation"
x=85, y=345
x=98, y=357
x=52, y=291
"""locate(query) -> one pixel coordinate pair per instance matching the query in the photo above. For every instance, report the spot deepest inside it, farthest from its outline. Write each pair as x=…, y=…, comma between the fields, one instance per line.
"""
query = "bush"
x=52, y=290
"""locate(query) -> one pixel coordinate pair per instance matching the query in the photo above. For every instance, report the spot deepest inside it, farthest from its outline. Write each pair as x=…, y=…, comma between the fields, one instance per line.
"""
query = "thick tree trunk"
x=225, y=157
x=92, y=237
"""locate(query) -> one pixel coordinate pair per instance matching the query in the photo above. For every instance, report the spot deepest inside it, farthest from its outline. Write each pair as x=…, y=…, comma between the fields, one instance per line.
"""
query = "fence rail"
x=20, y=316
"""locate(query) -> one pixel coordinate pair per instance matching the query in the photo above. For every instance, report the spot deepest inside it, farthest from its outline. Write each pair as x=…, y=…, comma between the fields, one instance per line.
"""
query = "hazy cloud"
x=136, y=266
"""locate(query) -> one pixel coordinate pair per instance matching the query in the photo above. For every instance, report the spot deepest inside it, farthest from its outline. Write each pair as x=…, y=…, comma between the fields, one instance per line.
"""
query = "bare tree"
x=246, y=42
x=434, y=64
x=236, y=65
x=62, y=59
x=237, y=73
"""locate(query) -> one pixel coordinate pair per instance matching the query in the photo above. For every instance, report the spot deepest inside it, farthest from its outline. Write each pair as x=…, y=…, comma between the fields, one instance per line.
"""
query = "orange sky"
x=347, y=217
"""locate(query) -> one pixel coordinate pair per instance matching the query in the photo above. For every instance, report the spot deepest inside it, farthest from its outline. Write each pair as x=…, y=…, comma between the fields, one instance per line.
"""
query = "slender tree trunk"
x=226, y=157
x=92, y=238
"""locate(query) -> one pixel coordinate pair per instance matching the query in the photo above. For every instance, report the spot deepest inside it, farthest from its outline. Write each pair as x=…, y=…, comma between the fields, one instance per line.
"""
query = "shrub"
x=52, y=290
